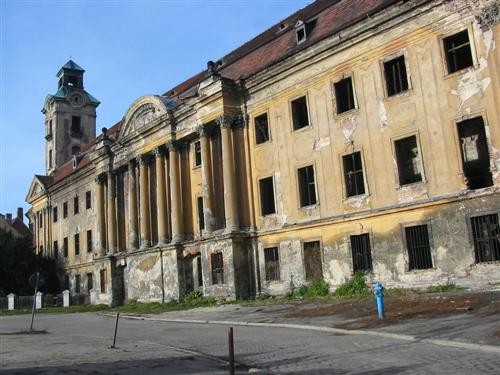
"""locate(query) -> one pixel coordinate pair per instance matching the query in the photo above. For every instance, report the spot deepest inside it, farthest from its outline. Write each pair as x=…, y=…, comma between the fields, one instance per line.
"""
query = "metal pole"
x=231, y=351
x=116, y=329
x=34, y=301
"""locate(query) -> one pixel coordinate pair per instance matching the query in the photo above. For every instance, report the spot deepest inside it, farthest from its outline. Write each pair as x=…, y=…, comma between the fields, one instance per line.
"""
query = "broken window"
x=486, y=235
x=76, y=207
x=307, y=187
x=103, y=281
x=408, y=160
x=77, y=244
x=201, y=218
x=353, y=174
x=65, y=247
x=197, y=153
x=267, y=196
x=395, y=76
x=457, y=51
x=261, y=129
x=88, y=200
x=55, y=248
x=89, y=241
x=300, y=118
x=361, y=253
x=76, y=129
x=418, y=246
x=90, y=282
x=217, y=268
x=475, y=156
x=54, y=214
x=77, y=284
x=344, y=95
x=65, y=209
x=272, y=264
x=312, y=261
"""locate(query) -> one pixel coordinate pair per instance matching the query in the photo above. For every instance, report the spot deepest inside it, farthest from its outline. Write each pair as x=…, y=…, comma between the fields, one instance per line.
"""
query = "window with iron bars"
x=486, y=235
x=272, y=264
x=361, y=253
x=418, y=246
x=217, y=268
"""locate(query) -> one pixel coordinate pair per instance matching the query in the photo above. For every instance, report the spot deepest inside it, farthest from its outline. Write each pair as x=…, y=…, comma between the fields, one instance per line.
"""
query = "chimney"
x=9, y=218
x=20, y=214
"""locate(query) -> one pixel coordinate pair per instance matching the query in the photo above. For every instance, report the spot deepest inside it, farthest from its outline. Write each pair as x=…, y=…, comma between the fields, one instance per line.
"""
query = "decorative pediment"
x=37, y=188
x=144, y=111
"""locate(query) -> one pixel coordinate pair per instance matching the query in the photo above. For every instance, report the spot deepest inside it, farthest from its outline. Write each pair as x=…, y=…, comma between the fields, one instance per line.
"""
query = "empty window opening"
x=267, y=196
x=77, y=284
x=40, y=220
x=300, y=117
x=408, y=159
x=199, y=269
x=272, y=264
x=88, y=200
x=76, y=207
x=66, y=282
x=312, y=261
x=65, y=209
x=418, y=246
x=75, y=150
x=65, y=247
x=261, y=129
x=77, y=244
x=103, y=280
x=89, y=241
x=197, y=153
x=304, y=29
x=395, y=76
x=353, y=174
x=90, y=282
x=73, y=81
x=344, y=95
x=307, y=186
x=54, y=214
x=486, y=235
x=201, y=217
x=458, y=52
x=474, y=151
x=76, y=129
x=50, y=159
x=217, y=268
x=361, y=253
x=55, y=248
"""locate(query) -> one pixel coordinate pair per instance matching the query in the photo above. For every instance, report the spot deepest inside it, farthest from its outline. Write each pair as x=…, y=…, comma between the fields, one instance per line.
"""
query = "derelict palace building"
x=353, y=135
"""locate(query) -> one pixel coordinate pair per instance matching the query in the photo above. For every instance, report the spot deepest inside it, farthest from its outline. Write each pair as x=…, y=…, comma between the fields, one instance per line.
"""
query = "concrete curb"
x=395, y=336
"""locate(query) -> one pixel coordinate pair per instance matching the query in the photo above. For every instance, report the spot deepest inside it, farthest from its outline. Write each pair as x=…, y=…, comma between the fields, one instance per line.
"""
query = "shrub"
x=354, y=287
x=448, y=287
x=194, y=297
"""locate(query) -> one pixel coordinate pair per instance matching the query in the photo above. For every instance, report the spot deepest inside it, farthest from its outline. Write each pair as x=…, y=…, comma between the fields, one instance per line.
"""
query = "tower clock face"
x=76, y=100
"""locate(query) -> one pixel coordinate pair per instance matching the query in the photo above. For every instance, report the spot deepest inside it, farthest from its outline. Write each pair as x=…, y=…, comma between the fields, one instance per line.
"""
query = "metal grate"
x=361, y=252
x=217, y=268
x=486, y=234
x=272, y=263
x=419, y=249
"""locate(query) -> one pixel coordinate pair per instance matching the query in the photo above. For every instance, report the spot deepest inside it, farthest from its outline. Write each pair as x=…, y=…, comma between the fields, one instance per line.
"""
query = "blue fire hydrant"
x=379, y=293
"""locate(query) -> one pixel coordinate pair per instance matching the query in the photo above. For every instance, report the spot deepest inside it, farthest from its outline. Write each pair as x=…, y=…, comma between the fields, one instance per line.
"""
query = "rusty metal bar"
x=231, y=351
x=116, y=329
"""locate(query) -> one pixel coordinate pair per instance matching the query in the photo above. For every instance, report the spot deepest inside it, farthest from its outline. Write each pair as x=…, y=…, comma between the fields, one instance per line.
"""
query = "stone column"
x=144, y=201
x=65, y=294
x=175, y=192
x=11, y=298
x=38, y=300
x=111, y=213
x=101, y=222
x=133, y=239
x=206, y=180
x=161, y=195
x=228, y=172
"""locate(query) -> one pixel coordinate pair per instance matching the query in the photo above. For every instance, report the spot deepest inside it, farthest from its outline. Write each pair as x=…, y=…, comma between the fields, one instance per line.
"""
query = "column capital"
x=172, y=145
x=132, y=162
x=159, y=151
x=101, y=178
x=203, y=131
x=144, y=159
x=229, y=121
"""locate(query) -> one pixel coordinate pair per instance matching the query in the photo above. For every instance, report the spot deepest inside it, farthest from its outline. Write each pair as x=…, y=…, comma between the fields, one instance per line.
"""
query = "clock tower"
x=70, y=117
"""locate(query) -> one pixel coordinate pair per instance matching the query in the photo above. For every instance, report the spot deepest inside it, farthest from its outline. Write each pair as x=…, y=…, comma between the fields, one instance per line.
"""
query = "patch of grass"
x=52, y=310
x=355, y=287
x=448, y=287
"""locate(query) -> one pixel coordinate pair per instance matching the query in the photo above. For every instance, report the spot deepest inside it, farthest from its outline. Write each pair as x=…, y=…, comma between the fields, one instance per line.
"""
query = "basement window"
x=353, y=174
x=266, y=188
x=261, y=129
x=77, y=244
x=103, y=280
x=312, y=261
x=89, y=241
x=474, y=151
x=418, y=246
x=408, y=160
x=217, y=268
x=458, y=52
x=197, y=153
x=361, y=253
x=486, y=235
x=65, y=247
x=307, y=186
x=201, y=217
x=300, y=118
x=396, y=79
x=344, y=95
x=272, y=264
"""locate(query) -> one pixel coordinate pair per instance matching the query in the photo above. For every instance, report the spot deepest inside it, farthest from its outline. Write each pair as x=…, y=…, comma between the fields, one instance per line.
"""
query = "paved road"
x=78, y=343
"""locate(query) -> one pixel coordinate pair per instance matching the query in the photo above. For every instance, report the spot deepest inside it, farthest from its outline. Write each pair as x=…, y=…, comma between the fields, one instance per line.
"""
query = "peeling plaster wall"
x=143, y=277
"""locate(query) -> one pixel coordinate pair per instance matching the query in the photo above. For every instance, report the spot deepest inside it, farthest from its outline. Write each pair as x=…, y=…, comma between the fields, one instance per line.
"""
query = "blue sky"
x=128, y=49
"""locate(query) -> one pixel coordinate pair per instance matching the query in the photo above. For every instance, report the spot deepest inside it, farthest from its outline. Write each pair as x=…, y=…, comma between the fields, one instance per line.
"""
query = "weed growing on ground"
x=355, y=287
x=448, y=287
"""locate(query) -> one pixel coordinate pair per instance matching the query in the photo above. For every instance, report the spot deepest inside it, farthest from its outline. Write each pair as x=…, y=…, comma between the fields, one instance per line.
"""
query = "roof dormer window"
x=304, y=29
